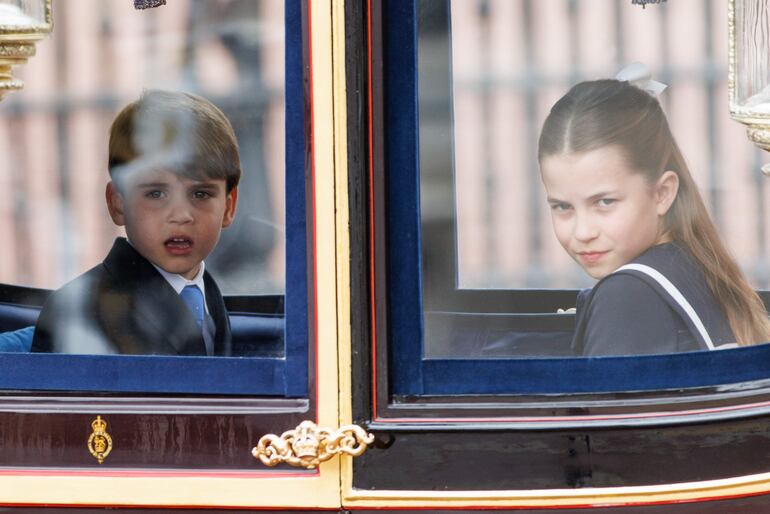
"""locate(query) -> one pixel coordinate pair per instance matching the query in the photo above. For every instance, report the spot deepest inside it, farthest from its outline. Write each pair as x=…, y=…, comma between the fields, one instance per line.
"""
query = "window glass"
x=101, y=56
x=488, y=73
x=244, y=56
x=508, y=62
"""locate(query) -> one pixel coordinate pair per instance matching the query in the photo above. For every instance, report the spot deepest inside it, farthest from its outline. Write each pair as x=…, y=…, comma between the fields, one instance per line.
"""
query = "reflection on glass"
x=52, y=213
x=753, y=50
x=489, y=72
x=625, y=207
x=22, y=13
x=174, y=170
x=54, y=136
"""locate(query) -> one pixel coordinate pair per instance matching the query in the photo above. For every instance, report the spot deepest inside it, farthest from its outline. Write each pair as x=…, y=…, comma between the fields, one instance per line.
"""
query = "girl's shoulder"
x=628, y=312
x=673, y=282
x=652, y=280
x=669, y=263
x=622, y=294
x=667, y=258
x=624, y=314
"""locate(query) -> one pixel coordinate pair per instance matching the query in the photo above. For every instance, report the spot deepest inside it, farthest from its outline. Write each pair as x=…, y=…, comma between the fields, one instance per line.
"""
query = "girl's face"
x=604, y=214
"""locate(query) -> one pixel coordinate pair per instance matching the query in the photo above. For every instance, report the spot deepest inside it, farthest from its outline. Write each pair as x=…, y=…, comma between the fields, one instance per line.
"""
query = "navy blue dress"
x=628, y=313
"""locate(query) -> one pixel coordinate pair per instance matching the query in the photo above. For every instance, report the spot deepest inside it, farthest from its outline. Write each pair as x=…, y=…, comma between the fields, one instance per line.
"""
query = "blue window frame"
x=284, y=375
x=415, y=301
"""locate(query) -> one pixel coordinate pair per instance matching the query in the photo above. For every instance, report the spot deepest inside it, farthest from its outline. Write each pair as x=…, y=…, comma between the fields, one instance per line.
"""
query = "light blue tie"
x=193, y=297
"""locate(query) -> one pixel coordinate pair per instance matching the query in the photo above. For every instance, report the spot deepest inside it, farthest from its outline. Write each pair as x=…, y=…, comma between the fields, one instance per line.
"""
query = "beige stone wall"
x=579, y=40
x=53, y=135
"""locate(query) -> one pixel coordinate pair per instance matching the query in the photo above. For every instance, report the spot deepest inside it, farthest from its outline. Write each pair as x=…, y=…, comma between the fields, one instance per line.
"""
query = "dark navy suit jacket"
x=125, y=306
x=627, y=313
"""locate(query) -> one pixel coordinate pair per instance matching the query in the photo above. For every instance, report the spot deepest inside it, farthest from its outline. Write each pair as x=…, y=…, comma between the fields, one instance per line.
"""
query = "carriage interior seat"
x=447, y=334
x=254, y=335
x=17, y=325
x=497, y=335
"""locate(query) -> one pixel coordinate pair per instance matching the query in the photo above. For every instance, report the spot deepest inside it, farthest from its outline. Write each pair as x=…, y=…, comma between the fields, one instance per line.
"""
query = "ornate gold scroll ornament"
x=100, y=442
x=309, y=445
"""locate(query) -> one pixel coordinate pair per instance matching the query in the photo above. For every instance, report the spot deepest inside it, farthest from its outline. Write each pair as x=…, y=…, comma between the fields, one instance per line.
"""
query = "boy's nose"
x=180, y=212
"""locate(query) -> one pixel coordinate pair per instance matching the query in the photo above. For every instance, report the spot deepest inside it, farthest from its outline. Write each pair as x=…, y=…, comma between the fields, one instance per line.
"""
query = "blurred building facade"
x=509, y=62
x=101, y=55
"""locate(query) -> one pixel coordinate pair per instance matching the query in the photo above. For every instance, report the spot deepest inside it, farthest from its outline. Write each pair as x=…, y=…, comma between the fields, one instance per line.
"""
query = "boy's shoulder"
x=124, y=305
x=121, y=270
x=125, y=268
x=77, y=288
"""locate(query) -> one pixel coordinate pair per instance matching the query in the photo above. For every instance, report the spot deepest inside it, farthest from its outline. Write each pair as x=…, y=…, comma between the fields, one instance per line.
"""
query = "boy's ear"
x=666, y=189
x=115, y=204
x=230, y=203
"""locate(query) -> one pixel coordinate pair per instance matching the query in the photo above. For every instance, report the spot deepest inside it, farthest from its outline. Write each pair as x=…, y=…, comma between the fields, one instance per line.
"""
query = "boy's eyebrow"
x=208, y=187
x=152, y=184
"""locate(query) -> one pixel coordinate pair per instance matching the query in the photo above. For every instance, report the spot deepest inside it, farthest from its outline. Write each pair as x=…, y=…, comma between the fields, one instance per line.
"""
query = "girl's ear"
x=666, y=189
x=115, y=204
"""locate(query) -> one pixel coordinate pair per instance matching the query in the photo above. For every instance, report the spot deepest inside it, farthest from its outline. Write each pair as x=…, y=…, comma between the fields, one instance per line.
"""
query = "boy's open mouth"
x=178, y=243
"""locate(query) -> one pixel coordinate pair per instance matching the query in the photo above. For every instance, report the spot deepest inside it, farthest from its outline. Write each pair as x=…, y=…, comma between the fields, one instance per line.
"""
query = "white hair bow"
x=639, y=75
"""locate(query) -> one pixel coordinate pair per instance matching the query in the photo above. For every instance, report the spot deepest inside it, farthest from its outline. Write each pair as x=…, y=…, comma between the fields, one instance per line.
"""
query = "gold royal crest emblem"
x=100, y=442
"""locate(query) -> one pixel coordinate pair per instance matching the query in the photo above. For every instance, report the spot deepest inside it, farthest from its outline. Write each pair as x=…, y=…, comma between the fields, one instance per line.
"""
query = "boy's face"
x=173, y=221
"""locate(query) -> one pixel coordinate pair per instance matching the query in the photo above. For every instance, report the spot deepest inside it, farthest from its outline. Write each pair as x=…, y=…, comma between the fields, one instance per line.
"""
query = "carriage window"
x=494, y=279
x=96, y=61
x=245, y=57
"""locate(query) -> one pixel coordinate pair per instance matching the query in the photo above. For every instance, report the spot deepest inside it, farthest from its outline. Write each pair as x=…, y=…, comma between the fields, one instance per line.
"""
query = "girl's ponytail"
x=601, y=113
x=690, y=225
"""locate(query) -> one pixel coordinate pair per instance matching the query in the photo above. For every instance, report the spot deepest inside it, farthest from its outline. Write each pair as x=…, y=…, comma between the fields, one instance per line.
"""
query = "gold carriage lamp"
x=22, y=24
x=748, y=78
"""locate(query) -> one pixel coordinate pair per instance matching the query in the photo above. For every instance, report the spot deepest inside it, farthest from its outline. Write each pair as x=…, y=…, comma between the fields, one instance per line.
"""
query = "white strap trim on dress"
x=679, y=298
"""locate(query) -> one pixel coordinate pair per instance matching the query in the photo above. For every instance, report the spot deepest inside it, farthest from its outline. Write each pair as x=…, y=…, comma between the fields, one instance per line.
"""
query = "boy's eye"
x=154, y=194
x=606, y=202
x=202, y=195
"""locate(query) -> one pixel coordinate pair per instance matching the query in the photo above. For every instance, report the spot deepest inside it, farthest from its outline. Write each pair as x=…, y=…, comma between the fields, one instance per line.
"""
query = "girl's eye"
x=606, y=202
x=560, y=207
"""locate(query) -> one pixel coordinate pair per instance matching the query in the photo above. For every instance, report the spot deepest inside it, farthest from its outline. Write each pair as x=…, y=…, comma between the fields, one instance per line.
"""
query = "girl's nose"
x=585, y=228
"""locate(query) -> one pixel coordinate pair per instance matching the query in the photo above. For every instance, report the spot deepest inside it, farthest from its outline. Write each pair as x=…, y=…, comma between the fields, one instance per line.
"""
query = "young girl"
x=625, y=207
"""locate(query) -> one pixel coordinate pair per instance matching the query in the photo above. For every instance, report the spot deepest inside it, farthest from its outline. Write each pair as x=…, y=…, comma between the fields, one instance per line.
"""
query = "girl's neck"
x=665, y=237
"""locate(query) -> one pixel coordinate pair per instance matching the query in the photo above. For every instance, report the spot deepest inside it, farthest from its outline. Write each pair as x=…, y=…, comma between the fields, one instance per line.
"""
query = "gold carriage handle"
x=308, y=445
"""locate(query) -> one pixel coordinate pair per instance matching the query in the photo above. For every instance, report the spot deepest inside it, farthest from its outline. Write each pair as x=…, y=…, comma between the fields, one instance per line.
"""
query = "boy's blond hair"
x=175, y=131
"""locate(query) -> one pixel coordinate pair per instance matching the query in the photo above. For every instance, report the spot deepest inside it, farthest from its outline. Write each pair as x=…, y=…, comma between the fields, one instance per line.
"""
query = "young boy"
x=174, y=169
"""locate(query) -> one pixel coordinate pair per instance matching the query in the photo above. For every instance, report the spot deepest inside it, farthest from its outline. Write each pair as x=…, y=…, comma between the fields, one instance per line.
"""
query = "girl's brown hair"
x=601, y=113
